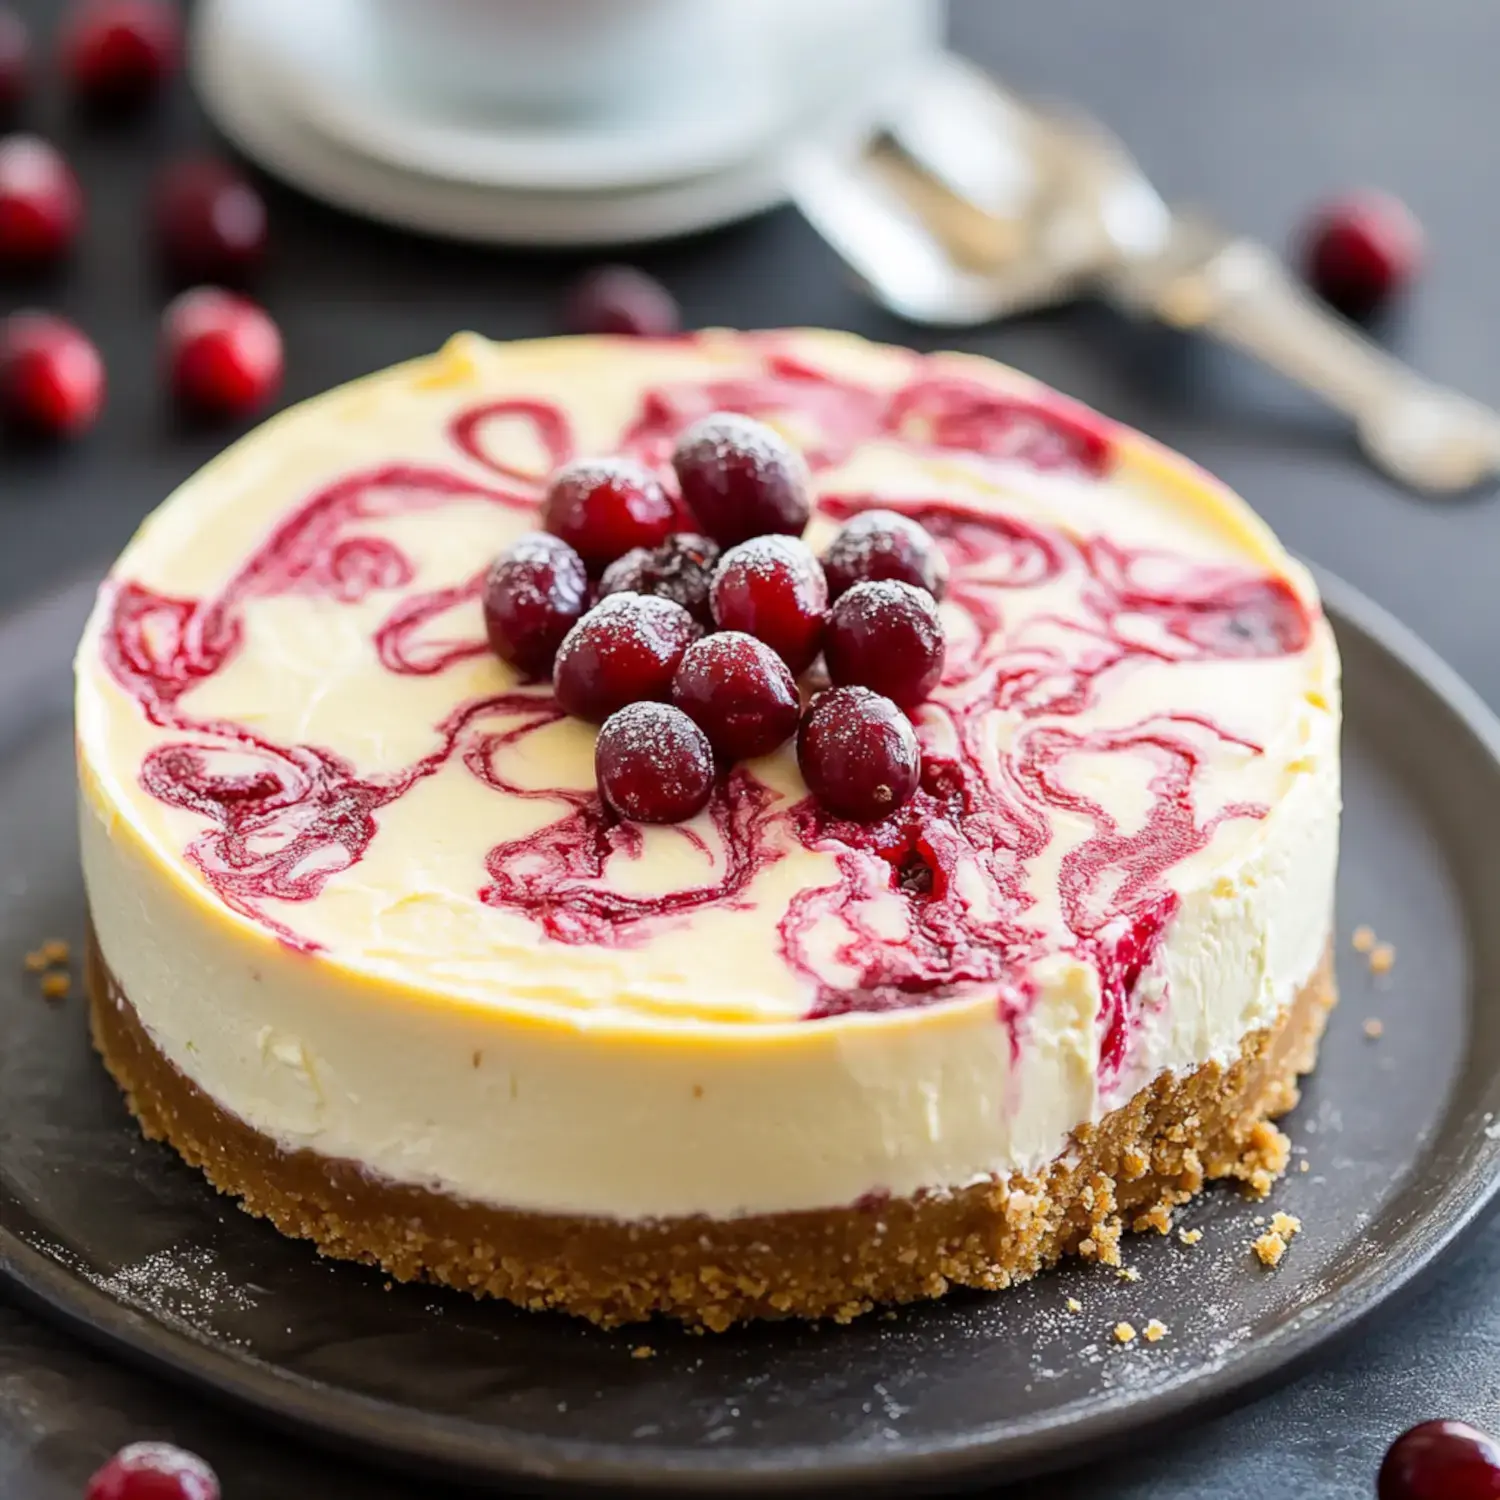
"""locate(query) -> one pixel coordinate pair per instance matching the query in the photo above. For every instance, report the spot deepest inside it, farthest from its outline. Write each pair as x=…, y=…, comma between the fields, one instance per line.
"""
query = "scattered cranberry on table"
x=773, y=588
x=741, y=479
x=680, y=569
x=882, y=544
x=41, y=204
x=535, y=592
x=51, y=376
x=210, y=221
x=1441, y=1461
x=1361, y=251
x=116, y=54
x=739, y=693
x=222, y=353
x=153, y=1471
x=627, y=648
x=858, y=754
x=886, y=636
x=621, y=299
x=653, y=764
x=605, y=507
x=15, y=62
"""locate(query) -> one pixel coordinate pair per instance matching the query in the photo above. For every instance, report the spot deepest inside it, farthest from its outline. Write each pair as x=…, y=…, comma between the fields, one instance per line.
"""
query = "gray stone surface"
x=1251, y=110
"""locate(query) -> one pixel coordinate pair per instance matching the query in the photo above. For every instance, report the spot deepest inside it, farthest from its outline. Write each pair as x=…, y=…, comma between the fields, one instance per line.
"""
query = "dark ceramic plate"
x=123, y=1242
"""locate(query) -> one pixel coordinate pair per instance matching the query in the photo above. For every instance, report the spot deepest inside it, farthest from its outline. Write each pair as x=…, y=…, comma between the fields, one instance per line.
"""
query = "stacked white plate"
x=315, y=92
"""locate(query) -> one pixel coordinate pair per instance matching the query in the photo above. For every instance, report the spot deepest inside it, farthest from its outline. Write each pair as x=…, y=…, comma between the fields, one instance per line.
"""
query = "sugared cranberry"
x=1441, y=1461
x=51, y=376
x=858, y=753
x=1361, y=250
x=222, y=353
x=605, y=507
x=535, y=592
x=624, y=650
x=153, y=1471
x=773, y=588
x=880, y=544
x=739, y=692
x=886, y=636
x=621, y=299
x=210, y=221
x=681, y=569
x=741, y=479
x=41, y=204
x=117, y=53
x=15, y=62
x=653, y=764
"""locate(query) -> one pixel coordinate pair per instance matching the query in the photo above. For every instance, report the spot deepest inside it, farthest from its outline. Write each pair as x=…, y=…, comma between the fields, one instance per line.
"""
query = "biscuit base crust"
x=1131, y=1169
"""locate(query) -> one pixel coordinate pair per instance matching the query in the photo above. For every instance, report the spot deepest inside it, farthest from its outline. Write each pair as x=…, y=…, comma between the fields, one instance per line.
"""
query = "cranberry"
x=153, y=1471
x=741, y=479
x=621, y=299
x=739, y=692
x=858, y=753
x=886, y=636
x=210, y=222
x=222, y=353
x=604, y=507
x=623, y=650
x=1361, y=250
x=51, y=376
x=681, y=569
x=773, y=588
x=41, y=204
x=654, y=765
x=879, y=544
x=1441, y=1461
x=15, y=62
x=535, y=592
x=117, y=53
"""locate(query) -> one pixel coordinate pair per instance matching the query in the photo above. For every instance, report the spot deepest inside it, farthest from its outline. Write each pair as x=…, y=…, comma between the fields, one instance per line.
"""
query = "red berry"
x=621, y=299
x=741, y=479
x=535, y=592
x=1361, y=250
x=739, y=692
x=117, y=53
x=773, y=588
x=605, y=507
x=878, y=544
x=1441, y=1461
x=15, y=62
x=51, y=376
x=653, y=764
x=625, y=649
x=41, y=204
x=153, y=1471
x=681, y=569
x=210, y=222
x=222, y=353
x=858, y=753
x=887, y=636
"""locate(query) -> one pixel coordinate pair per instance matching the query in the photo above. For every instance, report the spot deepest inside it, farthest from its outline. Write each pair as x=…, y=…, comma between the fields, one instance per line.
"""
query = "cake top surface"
x=285, y=696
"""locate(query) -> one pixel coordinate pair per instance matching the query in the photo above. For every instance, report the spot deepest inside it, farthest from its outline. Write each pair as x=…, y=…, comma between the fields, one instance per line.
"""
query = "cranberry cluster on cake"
x=871, y=830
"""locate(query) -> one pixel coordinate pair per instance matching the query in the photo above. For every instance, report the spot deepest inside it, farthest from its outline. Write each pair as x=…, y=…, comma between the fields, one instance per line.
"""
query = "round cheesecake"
x=371, y=952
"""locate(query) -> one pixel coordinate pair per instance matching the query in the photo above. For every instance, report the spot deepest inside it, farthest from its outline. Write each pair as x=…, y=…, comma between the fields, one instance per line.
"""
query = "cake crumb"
x=35, y=961
x=1286, y=1225
x=1156, y=1331
x=1374, y=1028
x=1124, y=1333
x=1269, y=1248
x=1074, y=1305
x=1190, y=1236
x=1382, y=958
x=1304, y=1165
x=1363, y=939
x=55, y=985
x=1128, y=1273
x=643, y=1351
x=56, y=951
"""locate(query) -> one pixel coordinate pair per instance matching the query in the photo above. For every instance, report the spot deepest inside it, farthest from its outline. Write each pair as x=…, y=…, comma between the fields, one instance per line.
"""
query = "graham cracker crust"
x=1153, y=1153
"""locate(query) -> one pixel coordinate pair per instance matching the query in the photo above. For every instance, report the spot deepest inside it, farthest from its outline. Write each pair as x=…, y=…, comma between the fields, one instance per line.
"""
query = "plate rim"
x=466, y=1452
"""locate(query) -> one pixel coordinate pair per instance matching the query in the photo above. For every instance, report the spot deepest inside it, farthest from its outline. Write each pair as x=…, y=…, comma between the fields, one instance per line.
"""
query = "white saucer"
x=299, y=88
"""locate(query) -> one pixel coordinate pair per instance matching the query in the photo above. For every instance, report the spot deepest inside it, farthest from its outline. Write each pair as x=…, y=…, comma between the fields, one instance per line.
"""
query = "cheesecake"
x=369, y=948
